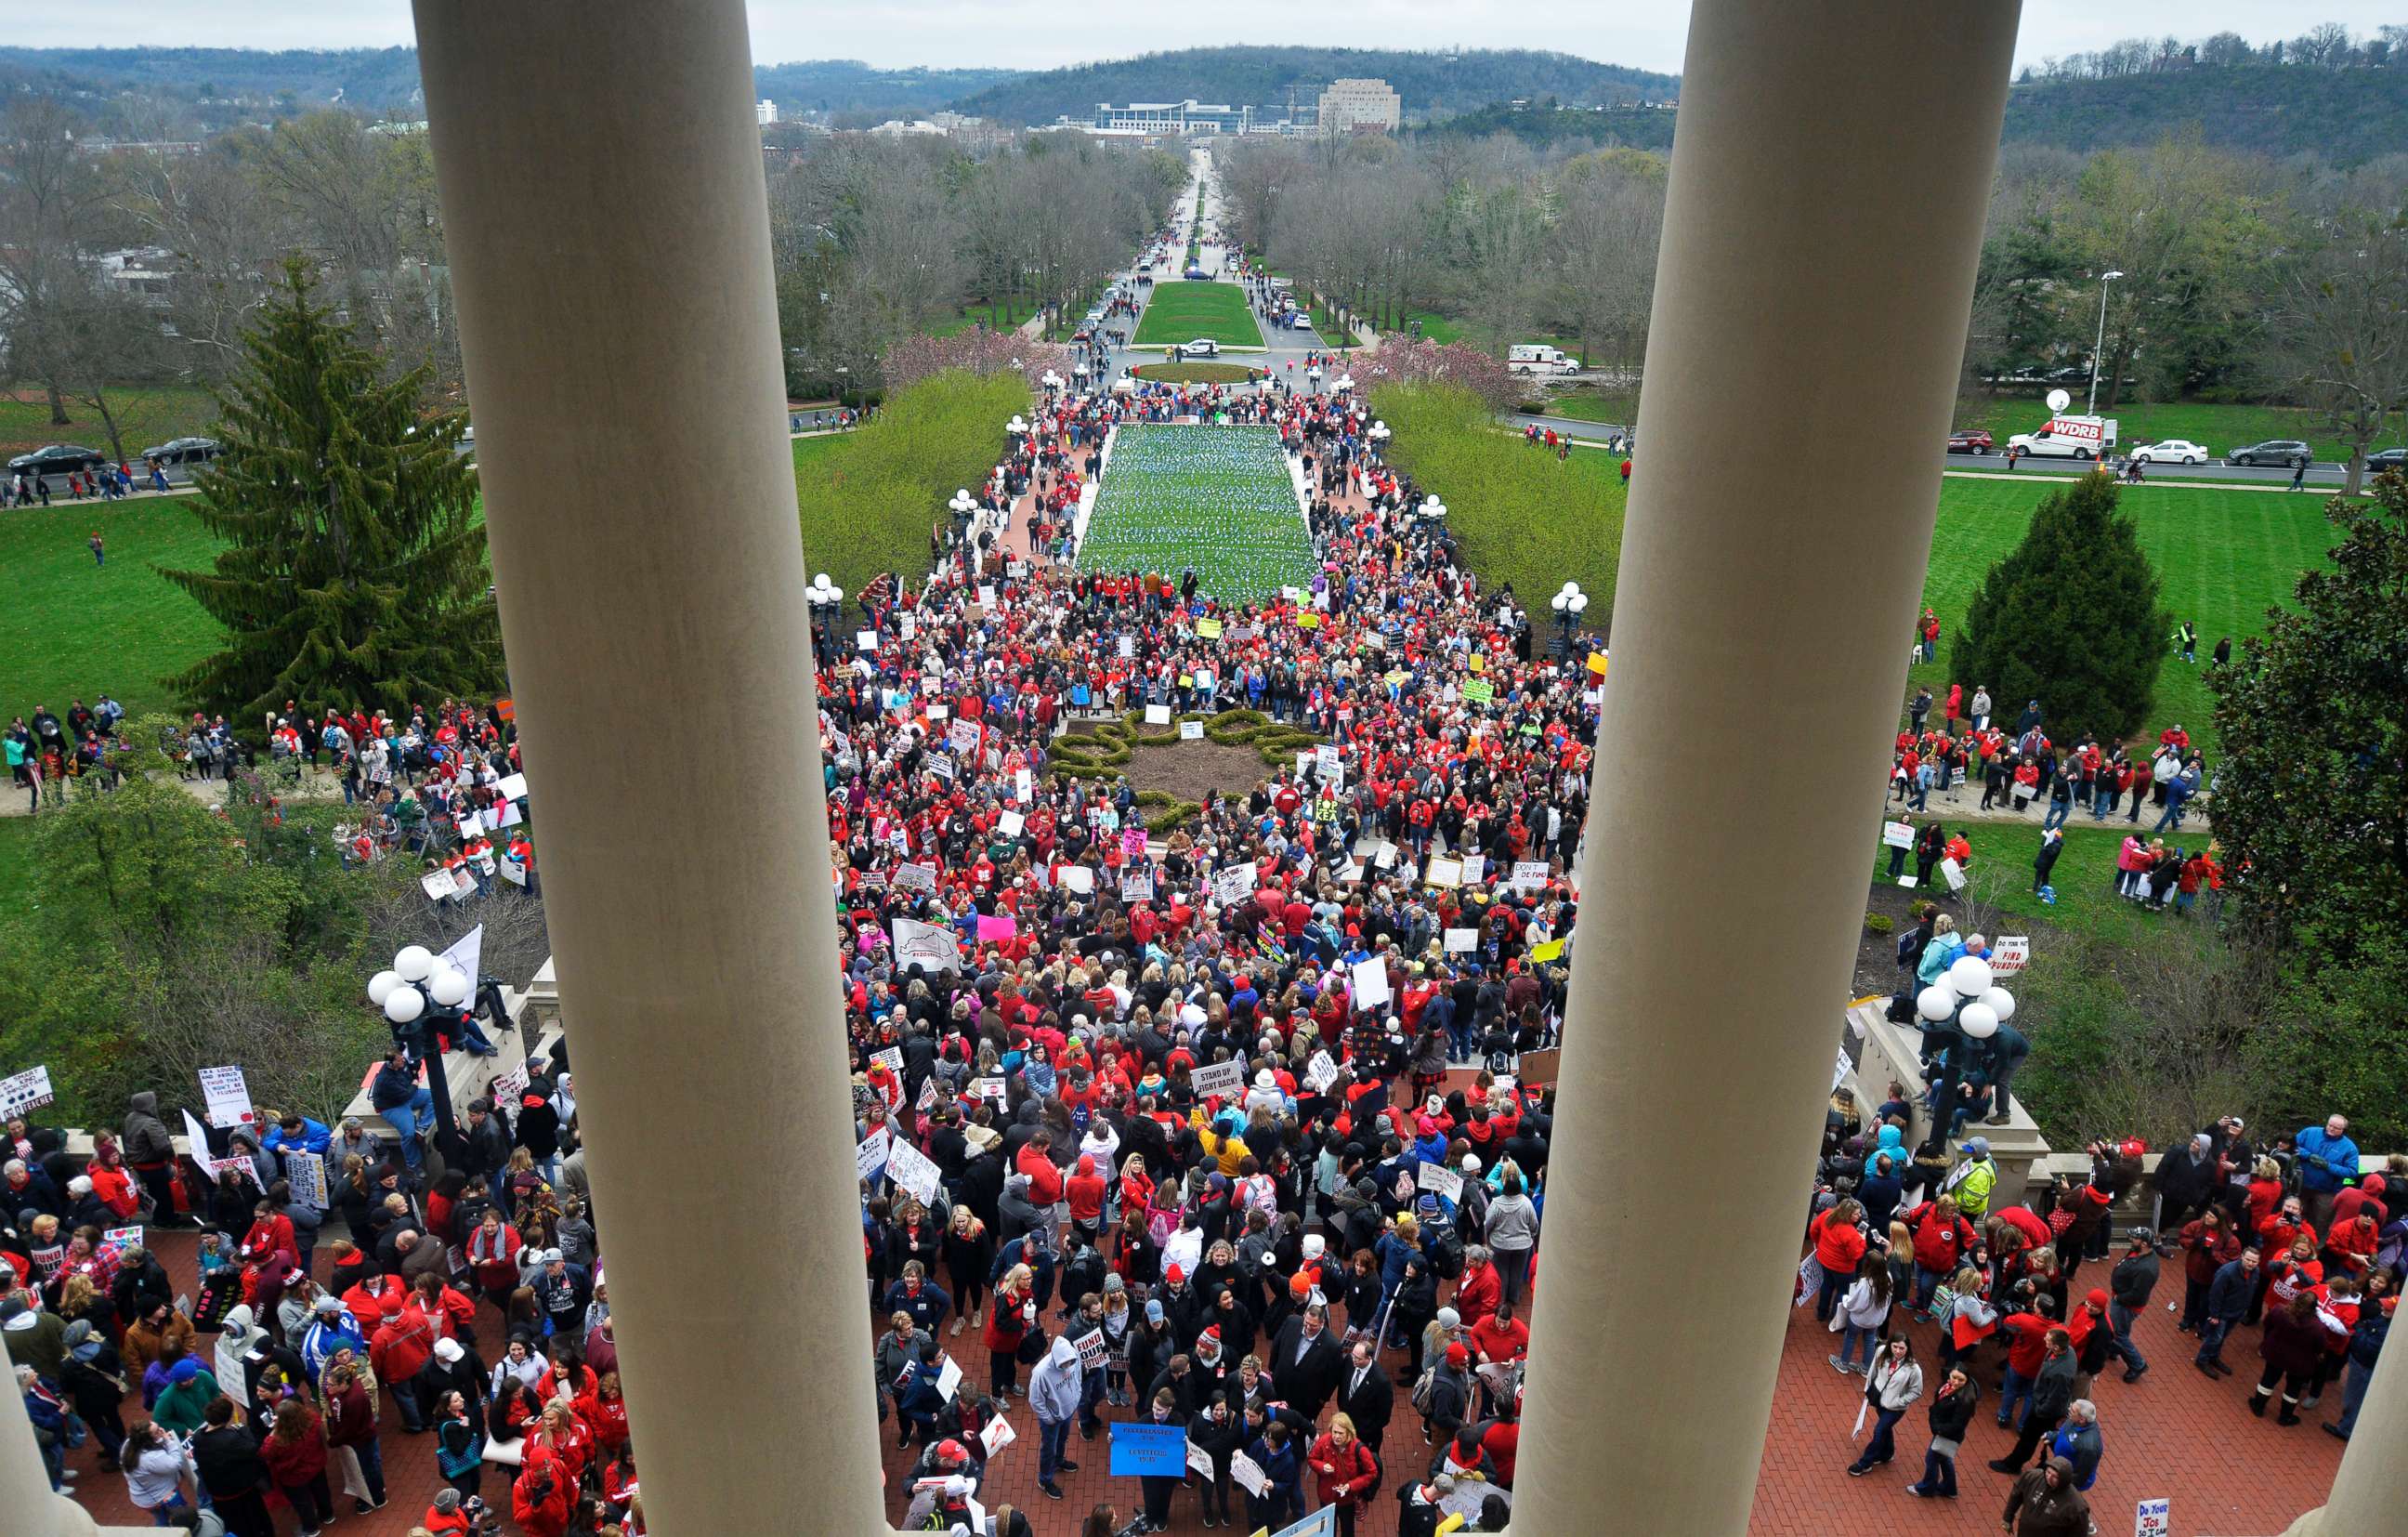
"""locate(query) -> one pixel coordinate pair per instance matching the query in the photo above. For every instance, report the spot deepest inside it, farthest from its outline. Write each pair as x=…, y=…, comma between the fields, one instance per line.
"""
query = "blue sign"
x=1149, y=1451
x=1321, y=1523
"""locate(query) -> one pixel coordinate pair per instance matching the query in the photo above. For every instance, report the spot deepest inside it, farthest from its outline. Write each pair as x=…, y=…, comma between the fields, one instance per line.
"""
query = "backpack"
x=1447, y=1260
x=1424, y=1390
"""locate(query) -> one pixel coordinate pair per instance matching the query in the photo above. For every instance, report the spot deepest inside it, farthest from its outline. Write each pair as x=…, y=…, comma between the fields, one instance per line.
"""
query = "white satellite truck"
x=2067, y=436
x=1531, y=358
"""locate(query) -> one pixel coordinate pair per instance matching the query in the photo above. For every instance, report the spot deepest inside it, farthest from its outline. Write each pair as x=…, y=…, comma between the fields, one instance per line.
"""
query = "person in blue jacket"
x=298, y=1133
x=2327, y=1160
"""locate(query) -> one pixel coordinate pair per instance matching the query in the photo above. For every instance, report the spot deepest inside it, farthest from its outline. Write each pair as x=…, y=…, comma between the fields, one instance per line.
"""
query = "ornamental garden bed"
x=1195, y=373
x=1215, y=500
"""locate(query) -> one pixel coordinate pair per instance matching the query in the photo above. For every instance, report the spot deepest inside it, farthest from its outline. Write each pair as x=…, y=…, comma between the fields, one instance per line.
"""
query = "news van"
x=2068, y=438
x=1535, y=359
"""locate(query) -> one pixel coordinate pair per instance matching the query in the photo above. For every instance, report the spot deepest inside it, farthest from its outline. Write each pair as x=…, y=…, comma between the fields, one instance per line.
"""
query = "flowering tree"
x=1457, y=363
x=976, y=351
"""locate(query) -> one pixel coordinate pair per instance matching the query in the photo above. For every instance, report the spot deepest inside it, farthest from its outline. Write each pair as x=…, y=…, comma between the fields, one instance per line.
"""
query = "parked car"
x=56, y=459
x=2173, y=450
x=184, y=451
x=2284, y=452
x=1975, y=442
x=2390, y=458
x=1196, y=274
x=1201, y=347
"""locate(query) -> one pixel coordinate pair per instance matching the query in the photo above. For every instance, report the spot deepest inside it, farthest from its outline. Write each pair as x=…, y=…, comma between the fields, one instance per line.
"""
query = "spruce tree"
x=2070, y=618
x=355, y=572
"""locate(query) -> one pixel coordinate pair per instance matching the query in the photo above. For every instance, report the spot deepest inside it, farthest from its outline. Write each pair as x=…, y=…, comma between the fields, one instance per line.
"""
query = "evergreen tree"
x=2070, y=618
x=355, y=572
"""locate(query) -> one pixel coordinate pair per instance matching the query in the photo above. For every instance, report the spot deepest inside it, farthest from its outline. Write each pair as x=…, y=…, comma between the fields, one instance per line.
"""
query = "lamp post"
x=827, y=601
x=419, y=984
x=1569, y=603
x=1965, y=1006
x=1434, y=510
x=2101, y=344
x=1379, y=434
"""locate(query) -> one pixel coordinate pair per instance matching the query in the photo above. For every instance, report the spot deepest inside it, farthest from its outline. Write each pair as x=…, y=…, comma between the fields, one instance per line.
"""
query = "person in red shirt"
x=1500, y=1338
x=1035, y=1160
x=1839, y=1244
x=542, y=1500
x=1086, y=1189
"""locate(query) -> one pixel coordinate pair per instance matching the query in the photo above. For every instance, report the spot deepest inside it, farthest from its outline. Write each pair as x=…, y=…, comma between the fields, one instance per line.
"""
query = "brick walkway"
x=2172, y=1434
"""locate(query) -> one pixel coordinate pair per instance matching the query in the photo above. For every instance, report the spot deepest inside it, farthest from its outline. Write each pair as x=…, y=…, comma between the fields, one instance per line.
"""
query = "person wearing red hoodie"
x=1085, y=1189
x=1036, y=1161
x=542, y=1500
x=603, y=1409
x=1477, y=1293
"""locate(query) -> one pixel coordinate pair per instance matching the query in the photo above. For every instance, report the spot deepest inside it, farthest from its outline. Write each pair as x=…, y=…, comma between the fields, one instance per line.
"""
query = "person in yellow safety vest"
x=1974, y=1179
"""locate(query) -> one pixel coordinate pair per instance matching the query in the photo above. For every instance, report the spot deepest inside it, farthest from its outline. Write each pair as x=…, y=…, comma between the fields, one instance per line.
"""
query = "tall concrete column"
x=608, y=229
x=1828, y=187
x=2365, y=1500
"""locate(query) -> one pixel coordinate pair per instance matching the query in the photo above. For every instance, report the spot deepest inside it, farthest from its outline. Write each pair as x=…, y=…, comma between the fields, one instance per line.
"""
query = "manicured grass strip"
x=1216, y=500
x=2083, y=878
x=2225, y=557
x=1195, y=373
x=70, y=628
x=1192, y=311
x=868, y=498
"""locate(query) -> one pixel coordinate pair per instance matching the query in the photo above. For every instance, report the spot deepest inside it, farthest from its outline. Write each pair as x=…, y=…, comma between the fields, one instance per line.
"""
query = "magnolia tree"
x=976, y=351
x=1457, y=363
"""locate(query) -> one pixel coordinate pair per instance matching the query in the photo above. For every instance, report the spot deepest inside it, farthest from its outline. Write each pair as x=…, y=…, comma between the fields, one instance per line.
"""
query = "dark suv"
x=2390, y=458
x=183, y=451
x=2283, y=453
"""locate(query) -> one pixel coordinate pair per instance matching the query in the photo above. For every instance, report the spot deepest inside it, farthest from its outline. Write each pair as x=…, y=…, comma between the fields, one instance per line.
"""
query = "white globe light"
x=1999, y=1002
x=450, y=986
x=1969, y=976
x=403, y=1004
x=1978, y=1022
x=415, y=962
x=381, y=986
x=1935, y=1003
x=821, y=581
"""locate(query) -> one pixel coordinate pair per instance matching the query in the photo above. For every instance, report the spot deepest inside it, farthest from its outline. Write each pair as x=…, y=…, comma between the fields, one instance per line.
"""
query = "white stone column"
x=607, y=230
x=1827, y=188
x=2365, y=1500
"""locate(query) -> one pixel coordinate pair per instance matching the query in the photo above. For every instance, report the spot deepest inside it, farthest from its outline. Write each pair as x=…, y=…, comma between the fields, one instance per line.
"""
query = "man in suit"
x=1304, y=1361
x=1365, y=1396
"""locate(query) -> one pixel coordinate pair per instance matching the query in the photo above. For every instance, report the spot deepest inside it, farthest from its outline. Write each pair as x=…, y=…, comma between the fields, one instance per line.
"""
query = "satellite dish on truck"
x=2058, y=400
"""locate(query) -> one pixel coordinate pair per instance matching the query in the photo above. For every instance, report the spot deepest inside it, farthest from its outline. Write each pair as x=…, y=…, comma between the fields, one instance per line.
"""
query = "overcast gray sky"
x=1043, y=34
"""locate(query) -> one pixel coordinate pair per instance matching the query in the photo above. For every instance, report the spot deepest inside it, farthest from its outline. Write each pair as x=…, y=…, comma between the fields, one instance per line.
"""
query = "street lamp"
x=1016, y=426
x=1965, y=1005
x=1379, y=434
x=1434, y=510
x=1342, y=383
x=1569, y=603
x=827, y=605
x=2101, y=345
x=419, y=993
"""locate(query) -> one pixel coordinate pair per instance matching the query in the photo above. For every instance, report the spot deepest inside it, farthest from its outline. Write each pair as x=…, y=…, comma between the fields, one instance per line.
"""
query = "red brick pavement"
x=2173, y=1434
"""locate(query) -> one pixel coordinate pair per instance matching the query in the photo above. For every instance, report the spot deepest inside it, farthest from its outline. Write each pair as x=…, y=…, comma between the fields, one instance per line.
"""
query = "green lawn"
x=1218, y=500
x=1435, y=326
x=2216, y=427
x=147, y=416
x=1195, y=373
x=1188, y=312
x=69, y=628
x=1618, y=407
x=2224, y=558
x=2083, y=878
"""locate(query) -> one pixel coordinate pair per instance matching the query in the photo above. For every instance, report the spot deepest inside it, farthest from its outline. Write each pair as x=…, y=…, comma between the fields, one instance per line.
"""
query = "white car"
x=2174, y=451
x=1201, y=347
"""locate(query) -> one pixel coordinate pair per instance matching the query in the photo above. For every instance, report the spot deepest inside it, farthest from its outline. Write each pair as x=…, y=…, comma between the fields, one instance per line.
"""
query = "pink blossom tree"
x=1457, y=363
x=976, y=351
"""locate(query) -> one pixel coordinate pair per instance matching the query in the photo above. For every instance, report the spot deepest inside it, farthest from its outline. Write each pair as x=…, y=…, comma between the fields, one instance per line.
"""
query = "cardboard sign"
x=931, y=945
x=1956, y=874
x=1529, y=875
x=1898, y=835
x=869, y=1154
x=2012, y=953
x=1475, y=869
x=1439, y=1181
x=1224, y=1079
x=1093, y=1349
x=1369, y=977
x=1140, y=1450
x=1445, y=871
x=909, y=1169
x=1320, y=1072
x=1460, y=940
x=1539, y=1068
x=305, y=1173
x=225, y=1098
x=23, y=1091
x=1191, y=731
x=1157, y=714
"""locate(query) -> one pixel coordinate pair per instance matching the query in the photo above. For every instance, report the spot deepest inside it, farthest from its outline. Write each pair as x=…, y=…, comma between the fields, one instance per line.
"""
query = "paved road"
x=2322, y=477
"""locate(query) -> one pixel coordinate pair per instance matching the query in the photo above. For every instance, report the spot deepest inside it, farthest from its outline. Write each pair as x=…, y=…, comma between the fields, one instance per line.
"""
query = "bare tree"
x=47, y=200
x=2341, y=330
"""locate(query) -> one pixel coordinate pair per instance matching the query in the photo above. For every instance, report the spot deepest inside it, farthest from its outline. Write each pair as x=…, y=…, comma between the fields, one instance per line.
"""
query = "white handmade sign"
x=1371, y=979
x=1459, y=939
x=1529, y=874
x=866, y=640
x=2153, y=1519
x=1221, y=1078
x=869, y=1154
x=23, y=1091
x=1010, y=823
x=225, y=1098
x=963, y=737
x=1320, y=1072
x=1078, y=878
x=1440, y=1180
x=1898, y=835
x=1956, y=874
x=511, y=787
x=1191, y=731
x=2012, y=953
x=1325, y=760
x=1233, y=885
x=931, y=945
x=1248, y=1474
x=1445, y=871
x=1137, y=888
x=305, y=1172
x=998, y=1434
x=916, y=877
x=1157, y=714
x=911, y=1170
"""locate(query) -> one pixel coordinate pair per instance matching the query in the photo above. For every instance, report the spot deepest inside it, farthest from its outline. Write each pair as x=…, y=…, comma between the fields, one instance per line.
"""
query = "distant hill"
x=1429, y=84
x=386, y=78
x=1639, y=127
x=2346, y=116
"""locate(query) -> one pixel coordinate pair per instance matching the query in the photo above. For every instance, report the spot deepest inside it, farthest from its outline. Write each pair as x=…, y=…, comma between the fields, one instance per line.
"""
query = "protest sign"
x=510, y=1085
x=1078, y=878
x=1093, y=1348
x=469, y=954
x=305, y=1172
x=1248, y=1474
x=909, y=625
x=119, y=1238
x=1221, y=1078
x=1328, y=763
x=986, y=594
x=995, y=927
x=909, y=1168
x=948, y=1379
x=1191, y=731
x=1149, y=1451
x=23, y=1091
x=1024, y=785
x=1445, y=871
x=1128, y=647
x=2012, y=953
x=2153, y=1519
x=1010, y=823
x=866, y=640
x=1233, y=885
x=514, y=871
x=1320, y=1072
x=439, y=886
x=1157, y=714
x=1550, y=950
x=1387, y=857
x=869, y=1156
x=1440, y=1180
x=1955, y=872
x=996, y=1089
x=892, y=1056
x=511, y=787
x=1352, y=871
x=1137, y=888
x=1200, y=1462
x=225, y=1098
x=1529, y=874
x=915, y=877
x=1475, y=869
x=1459, y=939
x=1133, y=843
x=998, y=1434
x=1898, y=835
x=197, y=1139
x=1208, y=629
x=1469, y=1499
x=1371, y=979
x=963, y=736
x=1479, y=691
x=930, y=945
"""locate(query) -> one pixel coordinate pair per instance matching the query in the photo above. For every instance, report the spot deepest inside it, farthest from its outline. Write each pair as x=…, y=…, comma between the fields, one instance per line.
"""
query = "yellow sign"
x=1548, y=951
x=1597, y=663
x=1308, y=620
x=1479, y=663
x=1209, y=629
